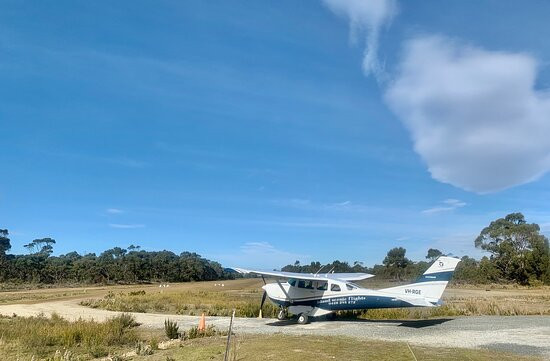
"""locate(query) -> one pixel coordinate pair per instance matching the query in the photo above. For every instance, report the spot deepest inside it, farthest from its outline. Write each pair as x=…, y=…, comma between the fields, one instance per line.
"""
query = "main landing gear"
x=302, y=319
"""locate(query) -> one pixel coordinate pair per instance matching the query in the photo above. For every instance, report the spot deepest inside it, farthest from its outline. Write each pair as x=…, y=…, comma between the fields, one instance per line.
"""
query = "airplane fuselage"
x=344, y=297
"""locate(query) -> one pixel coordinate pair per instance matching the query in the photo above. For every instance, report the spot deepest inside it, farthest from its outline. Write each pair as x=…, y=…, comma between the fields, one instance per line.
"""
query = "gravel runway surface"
x=527, y=335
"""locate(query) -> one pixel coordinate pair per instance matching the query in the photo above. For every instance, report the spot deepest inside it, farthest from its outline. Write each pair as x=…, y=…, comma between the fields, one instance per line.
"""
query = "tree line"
x=518, y=253
x=116, y=265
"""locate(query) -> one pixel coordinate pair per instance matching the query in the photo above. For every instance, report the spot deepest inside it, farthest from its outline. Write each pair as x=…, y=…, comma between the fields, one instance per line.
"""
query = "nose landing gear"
x=283, y=314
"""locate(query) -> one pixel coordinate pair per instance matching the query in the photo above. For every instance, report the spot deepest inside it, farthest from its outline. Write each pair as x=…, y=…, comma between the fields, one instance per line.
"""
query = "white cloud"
x=475, y=116
x=126, y=226
x=454, y=202
x=449, y=205
x=114, y=211
x=366, y=17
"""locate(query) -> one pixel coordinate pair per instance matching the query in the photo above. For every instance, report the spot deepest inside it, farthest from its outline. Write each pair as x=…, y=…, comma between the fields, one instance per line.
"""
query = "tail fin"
x=432, y=283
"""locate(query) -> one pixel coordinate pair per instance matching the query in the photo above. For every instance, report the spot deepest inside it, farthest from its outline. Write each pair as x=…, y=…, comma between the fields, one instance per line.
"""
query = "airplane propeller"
x=262, y=303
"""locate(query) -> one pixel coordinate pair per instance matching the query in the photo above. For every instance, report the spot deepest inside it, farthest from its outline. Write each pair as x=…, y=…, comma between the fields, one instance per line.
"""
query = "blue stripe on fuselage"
x=347, y=302
x=438, y=276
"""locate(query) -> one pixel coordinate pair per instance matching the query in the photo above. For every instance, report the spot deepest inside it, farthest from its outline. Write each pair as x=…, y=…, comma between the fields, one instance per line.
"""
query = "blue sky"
x=258, y=133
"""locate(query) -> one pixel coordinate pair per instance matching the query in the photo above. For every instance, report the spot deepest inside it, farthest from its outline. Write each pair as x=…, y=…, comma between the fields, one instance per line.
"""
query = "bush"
x=38, y=333
x=171, y=329
x=210, y=331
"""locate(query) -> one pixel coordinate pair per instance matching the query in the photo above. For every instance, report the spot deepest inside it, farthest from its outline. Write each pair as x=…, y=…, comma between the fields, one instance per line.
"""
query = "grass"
x=246, y=302
x=245, y=298
x=55, y=339
x=42, y=336
x=300, y=348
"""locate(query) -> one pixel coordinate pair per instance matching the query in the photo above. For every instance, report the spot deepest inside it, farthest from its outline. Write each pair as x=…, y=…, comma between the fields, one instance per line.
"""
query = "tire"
x=302, y=319
x=281, y=315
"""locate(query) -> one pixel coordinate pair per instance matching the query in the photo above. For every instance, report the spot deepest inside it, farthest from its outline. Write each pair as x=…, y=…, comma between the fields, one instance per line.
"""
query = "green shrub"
x=210, y=331
x=36, y=334
x=171, y=329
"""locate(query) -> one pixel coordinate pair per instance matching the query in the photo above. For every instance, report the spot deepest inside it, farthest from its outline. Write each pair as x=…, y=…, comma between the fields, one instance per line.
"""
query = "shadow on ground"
x=398, y=323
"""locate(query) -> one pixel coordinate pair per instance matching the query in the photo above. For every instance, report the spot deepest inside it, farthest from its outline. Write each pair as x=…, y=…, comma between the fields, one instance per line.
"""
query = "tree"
x=518, y=250
x=5, y=244
x=433, y=254
x=396, y=261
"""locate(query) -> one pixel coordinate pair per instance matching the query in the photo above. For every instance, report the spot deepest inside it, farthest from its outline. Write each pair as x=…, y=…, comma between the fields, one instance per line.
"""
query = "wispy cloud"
x=449, y=205
x=126, y=226
x=114, y=160
x=306, y=204
x=114, y=211
x=366, y=19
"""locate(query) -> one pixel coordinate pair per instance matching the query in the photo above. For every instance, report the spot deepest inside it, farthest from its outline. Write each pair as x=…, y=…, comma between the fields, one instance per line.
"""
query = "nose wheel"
x=282, y=315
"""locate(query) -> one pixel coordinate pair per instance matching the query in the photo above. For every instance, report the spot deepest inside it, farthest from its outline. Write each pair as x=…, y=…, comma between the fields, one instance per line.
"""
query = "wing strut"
x=284, y=291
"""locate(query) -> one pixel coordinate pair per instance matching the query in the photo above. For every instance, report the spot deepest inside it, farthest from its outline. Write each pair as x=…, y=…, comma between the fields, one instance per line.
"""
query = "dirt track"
x=518, y=334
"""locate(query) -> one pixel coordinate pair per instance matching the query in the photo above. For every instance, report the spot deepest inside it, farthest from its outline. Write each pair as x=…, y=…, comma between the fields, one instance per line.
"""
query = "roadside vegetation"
x=55, y=339
x=42, y=336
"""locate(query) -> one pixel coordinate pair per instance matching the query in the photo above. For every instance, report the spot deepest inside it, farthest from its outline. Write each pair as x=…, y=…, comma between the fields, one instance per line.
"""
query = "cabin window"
x=309, y=285
x=301, y=284
x=292, y=282
x=322, y=286
x=335, y=288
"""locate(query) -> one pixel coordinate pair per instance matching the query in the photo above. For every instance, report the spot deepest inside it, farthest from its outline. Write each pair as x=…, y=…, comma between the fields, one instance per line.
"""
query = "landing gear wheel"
x=302, y=319
x=282, y=315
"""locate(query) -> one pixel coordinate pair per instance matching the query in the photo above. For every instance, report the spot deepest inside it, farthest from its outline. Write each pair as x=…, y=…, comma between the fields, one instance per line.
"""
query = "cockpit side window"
x=322, y=286
x=292, y=282
x=335, y=288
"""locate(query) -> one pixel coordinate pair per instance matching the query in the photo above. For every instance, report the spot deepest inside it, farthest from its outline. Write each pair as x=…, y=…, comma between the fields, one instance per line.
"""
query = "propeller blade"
x=262, y=304
x=263, y=300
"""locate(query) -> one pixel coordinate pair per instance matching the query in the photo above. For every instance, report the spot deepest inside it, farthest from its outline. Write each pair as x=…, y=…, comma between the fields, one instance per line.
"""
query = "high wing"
x=309, y=276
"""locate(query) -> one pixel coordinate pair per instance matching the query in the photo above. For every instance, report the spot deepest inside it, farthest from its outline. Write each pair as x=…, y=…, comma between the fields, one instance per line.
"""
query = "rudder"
x=432, y=283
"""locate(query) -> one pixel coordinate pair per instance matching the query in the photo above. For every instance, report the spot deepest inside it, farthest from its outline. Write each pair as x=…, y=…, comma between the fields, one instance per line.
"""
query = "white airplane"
x=312, y=295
